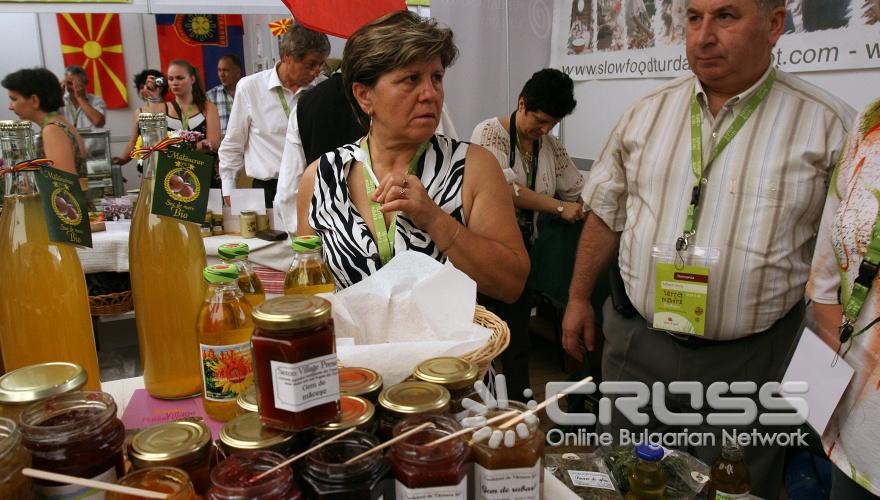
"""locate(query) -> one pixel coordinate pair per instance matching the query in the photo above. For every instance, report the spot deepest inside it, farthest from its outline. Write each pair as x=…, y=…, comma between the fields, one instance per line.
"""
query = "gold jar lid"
x=448, y=371
x=292, y=312
x=247, y=400
x=245, y=432
x=355, y=381
x=249, y=212
x=415, y=397
x=37, y=382
x=14, y=125
x=152, y=117
x=173, y=443
x=354, y=411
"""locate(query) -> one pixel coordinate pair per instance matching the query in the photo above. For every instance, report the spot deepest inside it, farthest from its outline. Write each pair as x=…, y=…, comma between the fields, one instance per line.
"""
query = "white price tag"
x=589, y=479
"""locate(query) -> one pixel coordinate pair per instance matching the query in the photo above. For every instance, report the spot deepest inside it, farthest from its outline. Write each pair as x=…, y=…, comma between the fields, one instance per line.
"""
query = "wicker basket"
x=497, y=343
x=111, y=303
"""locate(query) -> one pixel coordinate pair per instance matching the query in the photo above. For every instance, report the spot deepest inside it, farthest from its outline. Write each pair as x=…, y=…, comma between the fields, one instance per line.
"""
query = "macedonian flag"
x=94, y=41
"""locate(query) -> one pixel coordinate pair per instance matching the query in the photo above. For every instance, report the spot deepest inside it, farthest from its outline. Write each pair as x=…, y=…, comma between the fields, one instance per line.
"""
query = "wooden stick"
x=313, y=448
x=91, y=483
x=386, y=444
x=462, y=432
x=544, y=404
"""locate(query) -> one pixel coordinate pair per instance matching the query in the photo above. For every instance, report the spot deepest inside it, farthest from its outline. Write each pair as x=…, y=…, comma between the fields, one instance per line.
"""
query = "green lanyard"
x=184, y=119
x=284, y=104
x=867, y=272
x=48, y=118
x=697, y=150
x=384, y=237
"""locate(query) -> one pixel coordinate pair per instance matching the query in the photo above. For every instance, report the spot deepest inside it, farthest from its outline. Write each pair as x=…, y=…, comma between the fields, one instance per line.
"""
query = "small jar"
x=457, y=375
x=442, y=468
x=25, y=386
x=363, y=382
x=205, y=231
x=295, y=360
x=169, y=480
x=13, y=458
x=247, y=401
x=184, y=444
x=327, y=476
x=209, y=218
x=248, y=223
x=246, y=433
x=77, y=434
x=262, y=222
x=217, y=221
x=232, y=478
x=407, y=399
x=354, y=412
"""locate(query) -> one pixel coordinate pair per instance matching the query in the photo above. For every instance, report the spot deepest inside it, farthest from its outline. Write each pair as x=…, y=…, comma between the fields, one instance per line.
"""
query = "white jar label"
x=590, y=479
x=507, y=484
x=74, y=491
x=304, y=385
x=455, y=492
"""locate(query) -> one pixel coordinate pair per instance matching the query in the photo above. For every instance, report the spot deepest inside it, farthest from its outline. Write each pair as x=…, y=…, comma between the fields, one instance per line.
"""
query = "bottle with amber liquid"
x=225, y=327
x=166, y=259
x=729, y=476
x=308, y=273
x=44, y=303
x=647, y=481
x=248, y=281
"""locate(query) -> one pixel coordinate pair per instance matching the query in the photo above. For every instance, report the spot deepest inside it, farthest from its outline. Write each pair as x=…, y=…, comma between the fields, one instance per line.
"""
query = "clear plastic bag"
x=585, y=474
x=687, y=475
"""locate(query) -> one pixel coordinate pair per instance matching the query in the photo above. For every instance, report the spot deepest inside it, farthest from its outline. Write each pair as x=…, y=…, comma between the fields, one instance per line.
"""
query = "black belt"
x=694, y=342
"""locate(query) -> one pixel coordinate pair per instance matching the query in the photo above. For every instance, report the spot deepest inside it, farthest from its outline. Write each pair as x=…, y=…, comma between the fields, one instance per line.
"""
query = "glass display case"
x=98, y=163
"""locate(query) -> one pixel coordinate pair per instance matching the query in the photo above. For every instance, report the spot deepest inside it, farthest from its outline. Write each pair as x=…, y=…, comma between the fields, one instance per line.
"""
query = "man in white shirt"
x=81, y=109
x=263, y=103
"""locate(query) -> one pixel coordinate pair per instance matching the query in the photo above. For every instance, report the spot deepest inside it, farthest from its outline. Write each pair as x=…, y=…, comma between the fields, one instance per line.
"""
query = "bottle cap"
x=731, y=451
x=220, y=273
x=306, y=243
x=649, y=452
x=233, y=250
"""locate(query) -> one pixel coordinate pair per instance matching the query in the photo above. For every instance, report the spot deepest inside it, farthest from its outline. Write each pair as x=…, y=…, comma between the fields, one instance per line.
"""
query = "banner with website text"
x=608, y=39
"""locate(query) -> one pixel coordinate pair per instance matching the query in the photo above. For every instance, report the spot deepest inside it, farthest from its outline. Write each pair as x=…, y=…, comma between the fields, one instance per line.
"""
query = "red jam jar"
x=172, y=481
x=76, y=434
x=326, y=476
x=182, y=443
x=439, y=471
x=295, y=362
x=233, y=478
x=410, y=398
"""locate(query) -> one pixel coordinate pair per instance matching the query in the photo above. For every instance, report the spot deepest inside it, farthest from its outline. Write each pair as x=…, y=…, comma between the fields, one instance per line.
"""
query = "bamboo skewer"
x=462, y=432
x=414, y=430
x=91, y=483
x=297, y=457
x=545, y=403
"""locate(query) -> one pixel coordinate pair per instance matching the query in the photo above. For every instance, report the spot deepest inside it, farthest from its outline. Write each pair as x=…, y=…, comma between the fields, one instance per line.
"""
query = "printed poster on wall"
x=608, y=39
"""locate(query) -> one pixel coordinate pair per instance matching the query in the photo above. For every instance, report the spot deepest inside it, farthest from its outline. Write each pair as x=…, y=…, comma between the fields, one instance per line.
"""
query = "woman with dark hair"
x=36, y=95
x=190, y=108
x=152, y=87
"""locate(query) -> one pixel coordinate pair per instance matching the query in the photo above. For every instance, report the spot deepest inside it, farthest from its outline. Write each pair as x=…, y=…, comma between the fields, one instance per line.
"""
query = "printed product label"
x=681, y=296
x=522, y=483
x=303, y=385
x=590, y=479
x=457, y=492
x=227, y=370
x=720, y=495
x=71, y=491
x=65, y=207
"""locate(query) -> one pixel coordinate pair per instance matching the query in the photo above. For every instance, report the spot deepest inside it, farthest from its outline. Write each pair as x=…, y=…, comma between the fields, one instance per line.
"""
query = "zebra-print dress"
x=349, y=248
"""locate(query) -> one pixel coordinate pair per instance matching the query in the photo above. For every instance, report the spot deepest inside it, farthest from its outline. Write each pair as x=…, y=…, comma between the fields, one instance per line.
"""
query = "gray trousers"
x=633, y=352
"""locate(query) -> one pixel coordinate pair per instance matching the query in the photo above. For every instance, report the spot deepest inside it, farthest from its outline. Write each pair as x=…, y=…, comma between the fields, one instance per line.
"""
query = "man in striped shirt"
x=757, y=201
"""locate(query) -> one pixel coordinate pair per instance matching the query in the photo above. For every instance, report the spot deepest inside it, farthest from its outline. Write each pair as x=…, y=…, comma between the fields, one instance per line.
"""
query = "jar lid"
x=414, y=397
x=233, y=250
x=35, y=382
x=219, y=274
x=353, y=411
x=248, y=212
x=306, y=243
x=292, y=311
x=245, y=432
x=448, y=371
x=247, y=400
x=181, y=441
x=152, y=117
x=14, y=125
x=354, y=381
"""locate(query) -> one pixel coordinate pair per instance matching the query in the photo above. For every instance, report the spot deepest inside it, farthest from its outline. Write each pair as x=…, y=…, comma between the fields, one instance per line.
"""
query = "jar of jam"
x=77, y=434
x=515, y=465
x=247, y=433
x=327, y=476
x=170, y=480
x=247, y=401
x=354, y=412
x=184, y=444
x=430, y=472
x=457, y=375
x=25, y=386
x=410, y=398
x=13, y=458
x=295, y=362
x=363, y=382
x=233, y=478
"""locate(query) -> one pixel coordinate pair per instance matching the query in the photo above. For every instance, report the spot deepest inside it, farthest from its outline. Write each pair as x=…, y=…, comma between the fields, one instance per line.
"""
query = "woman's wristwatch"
x=560, y=209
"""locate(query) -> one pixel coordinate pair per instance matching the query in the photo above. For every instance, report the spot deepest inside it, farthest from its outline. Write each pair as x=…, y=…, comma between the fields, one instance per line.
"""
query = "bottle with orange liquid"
x=308, y=273
x=44, y=303
x=248, y=281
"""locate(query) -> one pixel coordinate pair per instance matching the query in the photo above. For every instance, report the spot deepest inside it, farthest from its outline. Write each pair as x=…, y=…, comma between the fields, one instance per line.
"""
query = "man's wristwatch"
x=560, y=209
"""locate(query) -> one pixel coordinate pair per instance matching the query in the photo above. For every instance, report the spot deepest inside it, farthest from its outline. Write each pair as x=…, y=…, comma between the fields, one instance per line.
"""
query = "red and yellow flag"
x=94, y=41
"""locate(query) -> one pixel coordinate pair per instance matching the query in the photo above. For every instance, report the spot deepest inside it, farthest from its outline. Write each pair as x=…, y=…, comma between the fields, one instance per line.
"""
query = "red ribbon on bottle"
x=28, y=166
x=145, y=152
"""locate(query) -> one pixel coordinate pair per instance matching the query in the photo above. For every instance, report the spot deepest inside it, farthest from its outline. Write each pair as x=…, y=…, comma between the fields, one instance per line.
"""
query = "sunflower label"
x=183, y=180
x=227, y=370
x=65, y=208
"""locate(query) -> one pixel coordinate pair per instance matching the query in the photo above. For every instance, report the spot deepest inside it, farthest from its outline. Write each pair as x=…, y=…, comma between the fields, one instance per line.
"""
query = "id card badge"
x=681, y=289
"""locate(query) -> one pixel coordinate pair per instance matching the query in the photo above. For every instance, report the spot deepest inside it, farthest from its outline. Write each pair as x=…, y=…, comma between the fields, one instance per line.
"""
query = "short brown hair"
x=390, y=42
x=299, y=41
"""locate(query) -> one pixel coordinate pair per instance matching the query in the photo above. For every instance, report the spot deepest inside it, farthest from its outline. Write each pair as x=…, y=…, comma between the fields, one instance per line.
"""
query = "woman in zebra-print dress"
x=442, y=197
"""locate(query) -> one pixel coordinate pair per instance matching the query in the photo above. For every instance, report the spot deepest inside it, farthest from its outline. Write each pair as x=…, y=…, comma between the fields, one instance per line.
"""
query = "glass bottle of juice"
x=44, y=303
x=729, y=478
x=248, y=281
x=308, y=273
x=647, y=481
x=166, y=259
x=225, y=327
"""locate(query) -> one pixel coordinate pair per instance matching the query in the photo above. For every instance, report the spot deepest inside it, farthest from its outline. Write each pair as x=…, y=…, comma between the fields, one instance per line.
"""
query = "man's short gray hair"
x=77, y=70
x=299, y=41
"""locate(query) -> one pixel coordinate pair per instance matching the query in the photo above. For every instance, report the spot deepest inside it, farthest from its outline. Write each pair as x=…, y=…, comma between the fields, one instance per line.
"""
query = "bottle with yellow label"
x=248, y=281
x=225, y=327
x=308, y=273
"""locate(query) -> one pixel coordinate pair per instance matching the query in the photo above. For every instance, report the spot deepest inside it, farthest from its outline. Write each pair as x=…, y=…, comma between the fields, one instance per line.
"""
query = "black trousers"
x=269, y=187
x=515, y=359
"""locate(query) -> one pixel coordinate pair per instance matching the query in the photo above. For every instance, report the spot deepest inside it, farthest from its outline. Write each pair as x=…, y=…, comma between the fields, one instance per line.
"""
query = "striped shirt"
x=221, y=98
x=760, y=207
